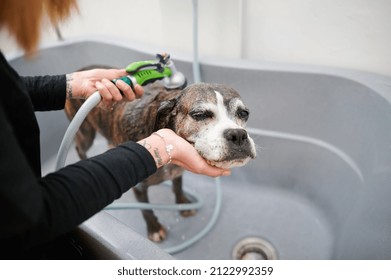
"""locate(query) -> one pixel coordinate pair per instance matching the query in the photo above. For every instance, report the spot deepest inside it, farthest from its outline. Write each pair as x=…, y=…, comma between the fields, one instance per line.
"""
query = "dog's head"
x=212, y=117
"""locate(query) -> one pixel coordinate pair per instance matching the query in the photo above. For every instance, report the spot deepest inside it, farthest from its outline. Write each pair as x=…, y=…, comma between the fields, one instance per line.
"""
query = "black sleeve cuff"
x=46, y=92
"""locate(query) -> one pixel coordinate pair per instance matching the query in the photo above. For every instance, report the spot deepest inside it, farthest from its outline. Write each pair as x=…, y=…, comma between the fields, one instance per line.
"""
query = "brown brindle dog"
x=211, y=117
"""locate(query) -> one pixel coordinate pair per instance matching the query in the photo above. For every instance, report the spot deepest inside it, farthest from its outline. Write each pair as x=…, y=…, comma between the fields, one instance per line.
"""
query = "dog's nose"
x=236, y=136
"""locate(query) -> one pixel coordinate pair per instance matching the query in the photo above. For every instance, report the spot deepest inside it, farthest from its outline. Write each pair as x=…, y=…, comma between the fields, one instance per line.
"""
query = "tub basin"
x=318, y=189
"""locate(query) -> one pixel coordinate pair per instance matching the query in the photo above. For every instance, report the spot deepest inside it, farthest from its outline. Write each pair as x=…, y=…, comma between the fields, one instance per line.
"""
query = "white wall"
x=343, y=33
x=340, y=33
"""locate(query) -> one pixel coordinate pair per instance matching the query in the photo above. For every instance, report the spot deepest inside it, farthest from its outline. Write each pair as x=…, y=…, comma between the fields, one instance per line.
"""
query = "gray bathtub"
x=318, y=189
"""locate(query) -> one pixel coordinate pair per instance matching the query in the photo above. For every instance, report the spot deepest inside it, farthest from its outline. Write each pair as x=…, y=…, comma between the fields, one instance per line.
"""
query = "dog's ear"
x=164, y=113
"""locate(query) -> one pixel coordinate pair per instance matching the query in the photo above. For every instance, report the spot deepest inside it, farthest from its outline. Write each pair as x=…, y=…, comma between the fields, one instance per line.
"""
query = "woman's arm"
x=34, y=210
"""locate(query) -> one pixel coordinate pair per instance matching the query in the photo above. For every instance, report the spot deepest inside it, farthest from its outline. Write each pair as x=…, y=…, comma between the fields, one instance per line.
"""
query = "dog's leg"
x=180, y=197
x=156, y=231
x=84, y=139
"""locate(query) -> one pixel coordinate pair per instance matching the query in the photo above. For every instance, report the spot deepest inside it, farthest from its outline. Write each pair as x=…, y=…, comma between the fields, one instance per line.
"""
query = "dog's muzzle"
x=239, y=149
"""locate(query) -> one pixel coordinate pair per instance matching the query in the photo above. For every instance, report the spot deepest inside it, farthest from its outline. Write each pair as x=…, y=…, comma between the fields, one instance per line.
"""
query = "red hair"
x=23, y=19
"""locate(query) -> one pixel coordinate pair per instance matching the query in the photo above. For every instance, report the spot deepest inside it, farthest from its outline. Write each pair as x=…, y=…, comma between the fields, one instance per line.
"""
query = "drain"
x=254, y=248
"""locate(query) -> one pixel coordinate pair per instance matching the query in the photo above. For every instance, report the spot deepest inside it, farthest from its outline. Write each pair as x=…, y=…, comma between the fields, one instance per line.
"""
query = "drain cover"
x=254, y=248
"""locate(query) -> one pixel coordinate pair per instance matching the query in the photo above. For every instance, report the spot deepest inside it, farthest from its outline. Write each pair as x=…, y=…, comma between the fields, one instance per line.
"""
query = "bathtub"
x=318, y=189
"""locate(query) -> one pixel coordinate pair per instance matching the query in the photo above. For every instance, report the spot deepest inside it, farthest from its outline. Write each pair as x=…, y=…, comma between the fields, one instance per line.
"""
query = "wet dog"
x=212, y=117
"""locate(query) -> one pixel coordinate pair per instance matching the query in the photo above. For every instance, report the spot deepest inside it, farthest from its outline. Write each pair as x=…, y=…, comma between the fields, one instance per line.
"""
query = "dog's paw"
x=188, y=213
x=158, y=236
x=185, y=213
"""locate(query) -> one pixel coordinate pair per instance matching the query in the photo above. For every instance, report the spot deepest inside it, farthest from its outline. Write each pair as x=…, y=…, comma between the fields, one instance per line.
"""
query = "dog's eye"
x=243, y=114
x=201, y=115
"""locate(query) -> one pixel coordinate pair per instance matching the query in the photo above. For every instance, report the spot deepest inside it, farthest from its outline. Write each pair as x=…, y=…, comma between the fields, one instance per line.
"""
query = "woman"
x=35, y=211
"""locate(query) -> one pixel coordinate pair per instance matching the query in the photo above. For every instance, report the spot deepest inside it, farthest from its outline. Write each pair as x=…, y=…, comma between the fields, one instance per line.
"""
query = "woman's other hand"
x=166, y=146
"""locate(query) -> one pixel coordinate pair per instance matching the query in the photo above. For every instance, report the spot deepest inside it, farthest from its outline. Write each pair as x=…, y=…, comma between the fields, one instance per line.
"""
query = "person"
x=37, y=212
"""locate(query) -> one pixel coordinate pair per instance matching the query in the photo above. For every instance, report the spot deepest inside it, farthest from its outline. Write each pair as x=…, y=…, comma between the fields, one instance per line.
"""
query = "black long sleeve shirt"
x=35, y=210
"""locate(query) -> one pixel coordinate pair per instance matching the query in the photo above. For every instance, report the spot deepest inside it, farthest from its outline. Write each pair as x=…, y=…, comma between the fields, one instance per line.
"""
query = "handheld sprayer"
x=145, y=72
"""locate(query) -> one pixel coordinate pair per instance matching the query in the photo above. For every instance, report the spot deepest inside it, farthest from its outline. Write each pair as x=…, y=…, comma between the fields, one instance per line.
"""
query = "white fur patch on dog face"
x=221, y=138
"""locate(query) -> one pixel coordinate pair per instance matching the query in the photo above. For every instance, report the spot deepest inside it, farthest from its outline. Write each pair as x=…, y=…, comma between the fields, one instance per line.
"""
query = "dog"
x=211, y=117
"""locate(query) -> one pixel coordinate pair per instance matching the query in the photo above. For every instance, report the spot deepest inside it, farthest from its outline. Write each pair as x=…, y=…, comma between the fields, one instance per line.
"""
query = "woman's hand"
x=166, y=146
x=84, y=83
